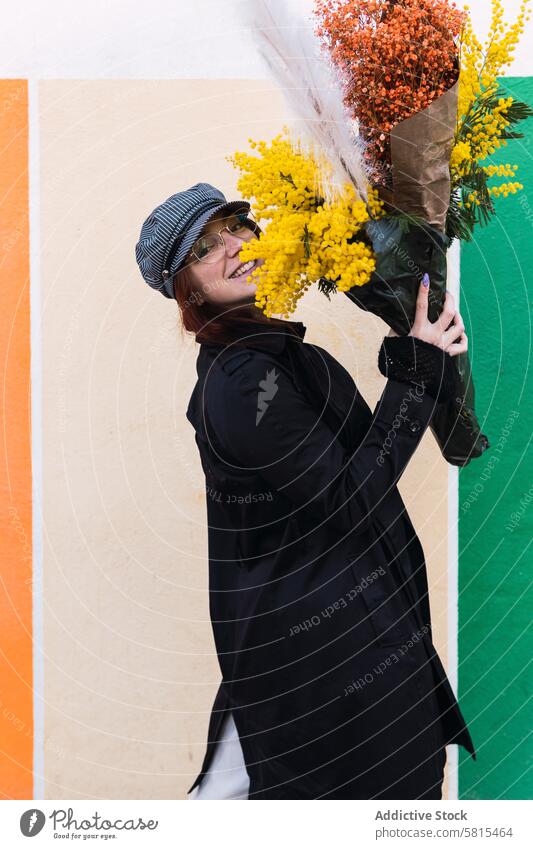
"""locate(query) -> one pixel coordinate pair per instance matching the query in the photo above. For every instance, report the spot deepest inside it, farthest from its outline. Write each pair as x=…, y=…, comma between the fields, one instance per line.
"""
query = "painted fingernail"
x=425, y=280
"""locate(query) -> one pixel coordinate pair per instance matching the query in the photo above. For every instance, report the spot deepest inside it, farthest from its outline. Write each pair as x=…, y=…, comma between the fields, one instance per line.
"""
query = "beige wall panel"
x=130, y=667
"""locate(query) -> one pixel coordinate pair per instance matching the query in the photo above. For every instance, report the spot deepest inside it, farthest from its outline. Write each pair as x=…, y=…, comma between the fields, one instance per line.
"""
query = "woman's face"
x=223, y=282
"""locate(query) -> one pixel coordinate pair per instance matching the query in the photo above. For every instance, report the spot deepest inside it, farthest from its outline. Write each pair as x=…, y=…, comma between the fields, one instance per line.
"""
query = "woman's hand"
x=447, y=332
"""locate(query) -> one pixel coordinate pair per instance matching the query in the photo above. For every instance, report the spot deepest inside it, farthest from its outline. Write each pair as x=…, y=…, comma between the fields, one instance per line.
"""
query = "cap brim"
x=226, y=209
x=195, y=230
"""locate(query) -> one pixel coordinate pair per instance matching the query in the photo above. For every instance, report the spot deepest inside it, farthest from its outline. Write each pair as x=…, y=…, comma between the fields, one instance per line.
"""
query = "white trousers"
x=226, y=777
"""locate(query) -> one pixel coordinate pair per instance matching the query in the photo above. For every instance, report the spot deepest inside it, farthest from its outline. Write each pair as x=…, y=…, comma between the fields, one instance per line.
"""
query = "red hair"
x=208, y=322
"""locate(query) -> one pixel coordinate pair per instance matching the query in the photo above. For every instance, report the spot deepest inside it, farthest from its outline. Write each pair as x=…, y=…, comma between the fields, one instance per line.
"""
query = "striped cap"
x=171, y=229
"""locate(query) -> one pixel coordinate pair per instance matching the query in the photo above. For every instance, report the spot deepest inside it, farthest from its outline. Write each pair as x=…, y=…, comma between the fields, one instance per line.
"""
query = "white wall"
x=157, y=40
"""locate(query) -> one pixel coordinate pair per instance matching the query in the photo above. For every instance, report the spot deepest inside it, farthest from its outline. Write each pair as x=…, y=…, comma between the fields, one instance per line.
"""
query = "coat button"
x=414, y=425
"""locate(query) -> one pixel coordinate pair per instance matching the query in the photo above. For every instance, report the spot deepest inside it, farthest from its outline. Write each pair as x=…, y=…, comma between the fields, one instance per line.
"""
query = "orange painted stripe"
x=16, y=690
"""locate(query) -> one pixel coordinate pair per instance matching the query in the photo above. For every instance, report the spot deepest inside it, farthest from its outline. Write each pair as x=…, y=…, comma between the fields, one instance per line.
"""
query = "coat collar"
x=263, y=337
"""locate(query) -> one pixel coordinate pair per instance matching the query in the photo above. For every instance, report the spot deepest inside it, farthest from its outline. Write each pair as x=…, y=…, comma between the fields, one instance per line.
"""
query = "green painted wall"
x=496, y=493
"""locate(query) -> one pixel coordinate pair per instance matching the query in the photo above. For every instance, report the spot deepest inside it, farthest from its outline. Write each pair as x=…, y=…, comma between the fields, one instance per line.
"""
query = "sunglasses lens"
x=210, y=247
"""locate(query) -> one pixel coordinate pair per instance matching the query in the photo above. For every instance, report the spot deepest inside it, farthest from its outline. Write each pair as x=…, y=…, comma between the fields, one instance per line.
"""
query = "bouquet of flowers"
x=486, y=120
x=428, y=102
x=399, y=110
x=307, y=238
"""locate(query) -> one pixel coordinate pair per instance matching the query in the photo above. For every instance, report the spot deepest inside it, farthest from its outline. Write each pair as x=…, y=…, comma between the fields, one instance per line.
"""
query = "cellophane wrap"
x=403, y=254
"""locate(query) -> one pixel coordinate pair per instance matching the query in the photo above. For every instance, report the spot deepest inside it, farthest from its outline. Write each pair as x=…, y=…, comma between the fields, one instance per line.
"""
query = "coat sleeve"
x=258, y=421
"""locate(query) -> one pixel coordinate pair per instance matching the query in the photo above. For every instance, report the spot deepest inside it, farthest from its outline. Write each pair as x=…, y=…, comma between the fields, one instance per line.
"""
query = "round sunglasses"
x=210, y=247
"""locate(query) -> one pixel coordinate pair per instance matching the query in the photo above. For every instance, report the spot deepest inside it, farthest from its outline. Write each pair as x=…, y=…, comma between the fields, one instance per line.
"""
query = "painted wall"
x=495, y=495
x=16, y=667
x=131, y=670
x=165, y=40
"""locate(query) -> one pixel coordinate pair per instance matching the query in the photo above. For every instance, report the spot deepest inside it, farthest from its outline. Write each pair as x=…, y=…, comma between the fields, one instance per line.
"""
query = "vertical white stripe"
x=454, y=285
x=36, y=436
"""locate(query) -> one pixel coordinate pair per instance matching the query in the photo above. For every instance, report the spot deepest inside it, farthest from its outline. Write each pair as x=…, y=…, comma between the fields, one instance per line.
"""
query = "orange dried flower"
x=394, y=57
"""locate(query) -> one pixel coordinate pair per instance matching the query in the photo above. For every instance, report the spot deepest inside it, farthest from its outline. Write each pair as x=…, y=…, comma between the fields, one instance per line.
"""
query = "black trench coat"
x=318, y=591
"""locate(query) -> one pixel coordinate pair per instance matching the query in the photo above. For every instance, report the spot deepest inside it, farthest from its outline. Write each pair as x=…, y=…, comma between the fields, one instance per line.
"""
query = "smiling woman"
x=198, y=263
x=214, y=260
x=274, y=413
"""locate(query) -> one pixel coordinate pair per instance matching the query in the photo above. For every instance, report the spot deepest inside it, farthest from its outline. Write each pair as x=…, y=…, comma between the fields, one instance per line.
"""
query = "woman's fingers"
x=454, y=332
x=448, y=312
x=421, y=313
x=447, y=332
x=459, y=347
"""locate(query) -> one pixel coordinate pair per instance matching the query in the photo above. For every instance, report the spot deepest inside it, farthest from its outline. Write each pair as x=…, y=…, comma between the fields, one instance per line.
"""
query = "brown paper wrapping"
x=420, y=153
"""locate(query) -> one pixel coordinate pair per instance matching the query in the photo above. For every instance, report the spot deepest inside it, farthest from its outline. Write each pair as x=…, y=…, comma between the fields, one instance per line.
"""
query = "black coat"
x=317, y=582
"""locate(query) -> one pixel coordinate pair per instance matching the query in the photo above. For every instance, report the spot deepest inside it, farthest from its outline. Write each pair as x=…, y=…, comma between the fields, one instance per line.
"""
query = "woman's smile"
x=243, y=268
